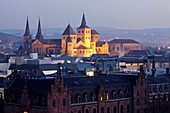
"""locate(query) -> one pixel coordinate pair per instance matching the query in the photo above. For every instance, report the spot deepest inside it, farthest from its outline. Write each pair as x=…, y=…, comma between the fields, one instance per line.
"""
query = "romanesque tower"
x=69, y=39
x=84, y=32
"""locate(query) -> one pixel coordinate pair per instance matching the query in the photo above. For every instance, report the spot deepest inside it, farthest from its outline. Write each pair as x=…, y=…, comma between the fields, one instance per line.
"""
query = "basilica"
x=83, y=44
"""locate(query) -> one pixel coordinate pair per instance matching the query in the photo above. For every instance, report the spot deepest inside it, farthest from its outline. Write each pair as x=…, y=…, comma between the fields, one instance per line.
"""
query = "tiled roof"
x=139, y=53
x=94, y=31
x=83, y=23
x=69, y=31
x=94, y=81
x=123, y=41
x=158, y=79
x=49, y=41
x=100, y=43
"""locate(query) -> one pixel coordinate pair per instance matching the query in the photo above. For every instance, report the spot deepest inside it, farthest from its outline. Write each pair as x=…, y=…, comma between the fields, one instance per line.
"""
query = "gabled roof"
x=83, y=23
x=69, y=31
x=139, y=53
x=123, y=41
x=49, y=41
x=27, y=30
x=158, y=79
x=94, y=32
x=79, y=39
x=95, y=81
x=82, y=47
x=100, y=43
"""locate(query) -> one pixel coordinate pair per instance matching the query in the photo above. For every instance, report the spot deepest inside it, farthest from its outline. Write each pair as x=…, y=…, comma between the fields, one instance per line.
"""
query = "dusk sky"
x=99, y=13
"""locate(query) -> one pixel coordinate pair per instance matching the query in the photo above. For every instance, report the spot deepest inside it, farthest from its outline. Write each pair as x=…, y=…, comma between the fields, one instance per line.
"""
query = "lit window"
x=101, y=98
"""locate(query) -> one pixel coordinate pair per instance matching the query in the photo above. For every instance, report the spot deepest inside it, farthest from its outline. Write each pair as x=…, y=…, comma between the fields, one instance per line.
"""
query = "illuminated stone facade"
x=83, y=44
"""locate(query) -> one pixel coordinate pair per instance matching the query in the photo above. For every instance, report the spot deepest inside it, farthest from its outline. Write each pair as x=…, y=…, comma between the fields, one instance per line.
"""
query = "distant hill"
x=8, y=38
x=148, y=37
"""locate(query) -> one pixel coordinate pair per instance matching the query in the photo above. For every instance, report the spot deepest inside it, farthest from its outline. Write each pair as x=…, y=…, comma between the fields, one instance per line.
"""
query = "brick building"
x=97, y=94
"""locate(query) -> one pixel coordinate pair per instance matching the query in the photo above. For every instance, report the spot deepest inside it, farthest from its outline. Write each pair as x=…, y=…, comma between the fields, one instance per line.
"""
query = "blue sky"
x=99, y=13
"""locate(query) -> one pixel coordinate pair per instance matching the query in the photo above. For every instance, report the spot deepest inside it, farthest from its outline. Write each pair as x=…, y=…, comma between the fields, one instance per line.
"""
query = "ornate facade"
x=97, y=94
x=83, y=44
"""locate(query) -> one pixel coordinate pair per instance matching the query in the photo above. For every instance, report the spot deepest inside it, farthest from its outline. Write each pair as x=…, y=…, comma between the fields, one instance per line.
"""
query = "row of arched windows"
x=108, y=110
x=93, y=97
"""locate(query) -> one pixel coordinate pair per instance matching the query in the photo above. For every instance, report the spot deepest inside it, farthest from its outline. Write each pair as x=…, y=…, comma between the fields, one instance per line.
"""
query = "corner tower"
x=84, y=32
x=39, y=32
x=68, y=40
x=27, y=38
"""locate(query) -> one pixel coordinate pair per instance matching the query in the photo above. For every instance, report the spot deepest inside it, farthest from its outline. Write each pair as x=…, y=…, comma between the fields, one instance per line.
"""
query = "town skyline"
x=128, y=14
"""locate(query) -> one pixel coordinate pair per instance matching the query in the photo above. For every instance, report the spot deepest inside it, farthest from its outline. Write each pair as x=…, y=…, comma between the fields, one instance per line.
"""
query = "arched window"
x=115, y=109
x=120, y=93
x=78, y=98
x=121, y=109
x=79, y=111
x=94, y=110
x=85, y=97
x=128, y=110
x=54, y=104
x=71, y=112
x=87, y=111
x=102, y=110
x=93, y=96
x=108, y=110
x=114, y=94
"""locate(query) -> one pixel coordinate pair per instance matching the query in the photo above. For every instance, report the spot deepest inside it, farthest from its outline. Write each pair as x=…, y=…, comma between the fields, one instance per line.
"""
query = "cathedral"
x=83, y=44
x=39, y=44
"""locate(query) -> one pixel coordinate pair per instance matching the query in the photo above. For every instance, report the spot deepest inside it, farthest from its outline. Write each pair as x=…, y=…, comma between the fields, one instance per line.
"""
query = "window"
x=114, y=94
x=94, y=110
x=138, y=93
x=117, y=48
x=79, y=111
x=82, y=31
x=78, y=98
x=115, y=109
x=85, y=97
x=128, y=110
x=138, y=102
x=108, y=110
x=102, y=110
x=54, y=104
x=64, y=102
x=121, y=109
x=87, y=111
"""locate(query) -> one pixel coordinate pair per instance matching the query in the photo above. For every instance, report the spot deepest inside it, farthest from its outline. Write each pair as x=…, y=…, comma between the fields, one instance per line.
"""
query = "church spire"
x=27, y=30
x=39, y=32
x=83, y=22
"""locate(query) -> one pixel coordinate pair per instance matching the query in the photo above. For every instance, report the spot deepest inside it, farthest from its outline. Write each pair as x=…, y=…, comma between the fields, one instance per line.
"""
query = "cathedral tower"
x=84, y=32
x=68, y=40
x=39, y=32
x=27, y=38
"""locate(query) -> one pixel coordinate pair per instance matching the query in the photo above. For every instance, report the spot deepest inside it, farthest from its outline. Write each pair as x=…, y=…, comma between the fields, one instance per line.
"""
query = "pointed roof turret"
x=39, y=32
x=27, y=30
x=153, y=66
x=69, y=31
x=83, y=22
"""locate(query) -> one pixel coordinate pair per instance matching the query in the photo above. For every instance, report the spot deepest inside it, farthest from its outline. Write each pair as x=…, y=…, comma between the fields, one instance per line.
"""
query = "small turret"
x=153, y=66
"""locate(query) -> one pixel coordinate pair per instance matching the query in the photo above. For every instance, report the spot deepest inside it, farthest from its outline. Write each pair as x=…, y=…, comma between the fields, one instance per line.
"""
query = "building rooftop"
x=123, y=41
x=69, y=31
